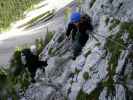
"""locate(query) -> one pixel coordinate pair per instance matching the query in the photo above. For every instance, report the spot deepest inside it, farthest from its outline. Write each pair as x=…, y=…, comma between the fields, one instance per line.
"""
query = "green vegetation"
x=16, y=77
x=98, y=44
x=79, y=5
x=67, y=12
x=114, y=46
x=87, y=53
x=71, y=82
x=109, y=82
x=82, y=95
x=94, y=95
x=12, y=10
x=115, y=43
x=129, y=76
x=76, y=71
x=114, y=23
x=43, y=17
x=58, y=50
x=40, y=43
x=79, y=2
x=49, y=36
x=86, y=76
x=127, y=27
x=92, y=3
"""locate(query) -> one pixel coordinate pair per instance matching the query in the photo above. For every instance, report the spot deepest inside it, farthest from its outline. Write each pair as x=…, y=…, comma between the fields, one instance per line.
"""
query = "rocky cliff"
x=103, y=71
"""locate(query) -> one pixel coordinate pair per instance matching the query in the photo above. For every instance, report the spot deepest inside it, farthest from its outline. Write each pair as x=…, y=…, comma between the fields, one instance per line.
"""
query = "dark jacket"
x=32, y=61
x=84, y=25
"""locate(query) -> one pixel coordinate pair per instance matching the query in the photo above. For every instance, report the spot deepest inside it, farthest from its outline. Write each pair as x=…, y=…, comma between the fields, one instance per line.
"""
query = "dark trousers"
x=77, y=48
x=34, y=66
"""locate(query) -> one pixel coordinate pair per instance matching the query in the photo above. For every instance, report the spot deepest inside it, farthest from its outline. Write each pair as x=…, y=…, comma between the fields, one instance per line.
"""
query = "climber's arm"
x=69, y=29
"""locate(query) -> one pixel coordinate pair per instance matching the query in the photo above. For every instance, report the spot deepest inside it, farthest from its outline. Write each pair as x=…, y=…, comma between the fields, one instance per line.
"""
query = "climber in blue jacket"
x=79, y=28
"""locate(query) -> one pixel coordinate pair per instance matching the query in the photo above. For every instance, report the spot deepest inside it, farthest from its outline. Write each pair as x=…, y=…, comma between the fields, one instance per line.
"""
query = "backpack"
x=87, y=19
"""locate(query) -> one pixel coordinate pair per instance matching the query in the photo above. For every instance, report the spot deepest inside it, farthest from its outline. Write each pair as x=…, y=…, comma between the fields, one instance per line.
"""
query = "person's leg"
x=42, y=65
x=77, y=48
x=33, y=80
x=33, y=73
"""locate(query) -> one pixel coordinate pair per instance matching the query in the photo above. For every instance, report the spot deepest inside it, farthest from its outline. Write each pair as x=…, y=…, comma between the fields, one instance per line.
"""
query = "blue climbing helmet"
x=75, y=17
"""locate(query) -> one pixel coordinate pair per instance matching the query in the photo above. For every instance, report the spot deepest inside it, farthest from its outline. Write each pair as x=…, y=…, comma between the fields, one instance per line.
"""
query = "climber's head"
x=33, y=49
x=75, y=17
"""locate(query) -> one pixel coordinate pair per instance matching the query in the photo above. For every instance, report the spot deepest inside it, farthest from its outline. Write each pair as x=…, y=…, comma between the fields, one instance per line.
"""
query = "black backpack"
x=87, y=19
x=29, y=56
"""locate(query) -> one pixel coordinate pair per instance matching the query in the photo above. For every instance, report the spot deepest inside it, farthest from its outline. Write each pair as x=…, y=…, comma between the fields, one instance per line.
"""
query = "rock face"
x=103, y=71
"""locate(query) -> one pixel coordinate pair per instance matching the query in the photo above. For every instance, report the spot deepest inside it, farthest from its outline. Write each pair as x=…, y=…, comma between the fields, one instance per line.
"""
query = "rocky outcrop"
x=103, y=71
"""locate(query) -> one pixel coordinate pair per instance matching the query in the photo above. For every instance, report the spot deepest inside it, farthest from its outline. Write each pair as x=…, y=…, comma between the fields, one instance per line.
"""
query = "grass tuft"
x=12, y=10
x=86, y=76
x=114, y=23
x=43, y=17
x=94, y=95
x=92, y=3
x=127, y=27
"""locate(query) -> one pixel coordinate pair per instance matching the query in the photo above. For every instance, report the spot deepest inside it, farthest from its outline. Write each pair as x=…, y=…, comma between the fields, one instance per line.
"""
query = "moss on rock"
x=114, y=47
x=127, y=27
x=94, y=95
x=114, y=23
x=86, y=76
